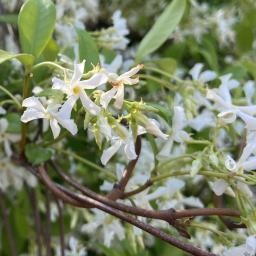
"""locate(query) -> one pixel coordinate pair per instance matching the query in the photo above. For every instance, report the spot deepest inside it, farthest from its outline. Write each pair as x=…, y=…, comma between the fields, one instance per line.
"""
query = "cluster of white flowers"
x=60, y=114
x=203, y=20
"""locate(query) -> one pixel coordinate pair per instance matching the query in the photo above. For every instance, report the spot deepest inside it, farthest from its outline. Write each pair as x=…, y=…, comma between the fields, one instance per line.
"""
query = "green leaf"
x=250, y=67
x=26, y=59
x=162, y=29
x=51, y=50
x=13, y=122
x=36, y=23
x=36, y=154
x=168, y=65
x=87, y=49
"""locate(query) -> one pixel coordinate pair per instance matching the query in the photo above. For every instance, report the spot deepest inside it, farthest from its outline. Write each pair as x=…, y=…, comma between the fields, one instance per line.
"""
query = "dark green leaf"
x=36, y=154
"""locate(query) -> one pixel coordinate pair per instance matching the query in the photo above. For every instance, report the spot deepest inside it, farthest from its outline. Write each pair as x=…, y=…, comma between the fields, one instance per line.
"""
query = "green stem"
x=48, y=64
x=157, y=80
x=24, y=126
x=10, y=95
x=159, y=71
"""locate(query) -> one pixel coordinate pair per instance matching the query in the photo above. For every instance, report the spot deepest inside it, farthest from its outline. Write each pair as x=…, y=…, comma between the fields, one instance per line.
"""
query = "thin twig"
x=167, y=215
x=119, y=188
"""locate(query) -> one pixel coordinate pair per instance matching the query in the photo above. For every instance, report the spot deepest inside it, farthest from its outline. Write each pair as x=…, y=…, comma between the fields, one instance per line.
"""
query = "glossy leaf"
x=162, y=29
x=36, y=23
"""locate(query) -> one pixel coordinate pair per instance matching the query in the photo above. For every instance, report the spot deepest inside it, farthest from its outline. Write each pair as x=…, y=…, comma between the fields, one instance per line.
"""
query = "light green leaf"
x=168, y=65
x=162, y=29
x=36, y=154
x=26, y=59
x=87, y=49
x=36, y=23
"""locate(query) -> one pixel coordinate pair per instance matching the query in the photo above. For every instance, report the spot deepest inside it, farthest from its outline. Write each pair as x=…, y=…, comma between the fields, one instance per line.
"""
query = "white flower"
x=120, y=26
x=177, y=135
x=105, y=227
x=249, y=91
x=2, y=111
x=114, y=66
x=247, y=249
x=219, y=187
x=202, y=121
x=118, y=83
x=36, y=110
x=223, y=100
x=14, y=176
x=75, y=88
x=126, y=144
x=75, y=248
x=7, y=138
x=204, y=76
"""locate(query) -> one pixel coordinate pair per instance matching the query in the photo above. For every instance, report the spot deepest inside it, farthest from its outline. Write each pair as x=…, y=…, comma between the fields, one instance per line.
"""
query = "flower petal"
x=7, y=148
x=96, y=80
x=66, y=108
x=3, y=125
x=59, y=84
x=129, y=149
x=33, y=102
x=109, y=152
x=196, y=70
x=119, y=97
x=166, y=149
x=78, y=72
x=55, y=128
x=106, y=97
x=131, y=72
x=31, y=114
x=207, y=76
x=89, y=104
x=219, y=187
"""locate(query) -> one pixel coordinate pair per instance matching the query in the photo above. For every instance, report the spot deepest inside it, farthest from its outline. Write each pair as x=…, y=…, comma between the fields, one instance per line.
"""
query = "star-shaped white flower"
x=7, y=138
x=118, y=83
x=36, y=110
x=178, y=134
x=198, y=75
x=105, y=227
x=223, y=100
x=75, y=88
x=126, y=144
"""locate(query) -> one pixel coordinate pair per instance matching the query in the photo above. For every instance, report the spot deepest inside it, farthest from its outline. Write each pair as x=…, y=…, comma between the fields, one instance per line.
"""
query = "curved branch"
x=166, y=215
x=71, y=198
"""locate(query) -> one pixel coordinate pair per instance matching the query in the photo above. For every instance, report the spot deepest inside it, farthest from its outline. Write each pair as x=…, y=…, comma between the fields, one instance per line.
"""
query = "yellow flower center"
x=76, y=89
